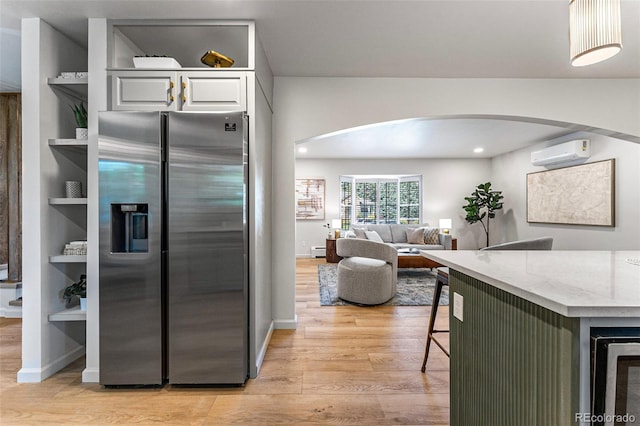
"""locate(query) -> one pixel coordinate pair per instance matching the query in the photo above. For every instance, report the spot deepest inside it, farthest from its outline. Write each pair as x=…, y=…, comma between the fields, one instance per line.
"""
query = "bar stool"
x=442, y=279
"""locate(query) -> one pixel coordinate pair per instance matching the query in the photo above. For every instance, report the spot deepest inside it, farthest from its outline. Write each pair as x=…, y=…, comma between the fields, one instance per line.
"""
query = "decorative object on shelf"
x=75, y=248
x=482, y=203
x=330, y=235
x=73, y=74
x=75, y=292
x=73, y=189
x=216, y=59
x=155, y=61
x=445, y=225
x=336, y=224
x=310, y=198
x=594, y=31
x=80, y=114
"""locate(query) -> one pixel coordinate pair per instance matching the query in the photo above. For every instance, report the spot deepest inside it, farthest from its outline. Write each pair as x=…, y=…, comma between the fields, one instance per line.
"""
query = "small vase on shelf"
x=80, y=115
x=82, y=133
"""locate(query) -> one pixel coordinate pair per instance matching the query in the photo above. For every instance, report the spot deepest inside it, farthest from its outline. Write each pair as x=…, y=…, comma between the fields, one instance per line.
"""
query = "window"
x=380, y=199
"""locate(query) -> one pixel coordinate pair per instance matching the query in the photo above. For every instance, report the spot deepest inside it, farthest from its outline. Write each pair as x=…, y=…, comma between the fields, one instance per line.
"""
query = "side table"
x=331, y=255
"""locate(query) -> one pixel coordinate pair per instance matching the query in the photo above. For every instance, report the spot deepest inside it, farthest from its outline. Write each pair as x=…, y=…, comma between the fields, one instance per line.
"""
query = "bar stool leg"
x=432, y=320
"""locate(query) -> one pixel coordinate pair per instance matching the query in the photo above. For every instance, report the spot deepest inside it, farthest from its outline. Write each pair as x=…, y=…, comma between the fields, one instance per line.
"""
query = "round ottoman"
x=365, y=281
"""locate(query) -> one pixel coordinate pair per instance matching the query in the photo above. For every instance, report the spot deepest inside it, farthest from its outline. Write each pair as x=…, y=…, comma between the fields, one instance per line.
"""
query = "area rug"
x=415, y=287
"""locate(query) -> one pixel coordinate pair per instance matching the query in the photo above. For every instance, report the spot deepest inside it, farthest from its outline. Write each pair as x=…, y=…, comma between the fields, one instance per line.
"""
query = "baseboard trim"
x=263, y=350
x=36, y=375
x=303, y=256
x=289, y=324
x=91, y=375
x=11, y=312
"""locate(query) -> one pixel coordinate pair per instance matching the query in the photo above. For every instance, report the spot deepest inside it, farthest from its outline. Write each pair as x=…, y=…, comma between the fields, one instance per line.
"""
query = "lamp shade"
x=445, y=224
x=594, y=30
x=336, y=223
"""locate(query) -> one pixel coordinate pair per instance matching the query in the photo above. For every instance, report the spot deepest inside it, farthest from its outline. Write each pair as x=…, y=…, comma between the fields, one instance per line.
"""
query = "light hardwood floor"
x=343, y=365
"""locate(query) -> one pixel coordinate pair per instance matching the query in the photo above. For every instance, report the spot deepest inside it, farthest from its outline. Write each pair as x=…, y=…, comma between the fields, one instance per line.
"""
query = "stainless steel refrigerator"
x=173, y=248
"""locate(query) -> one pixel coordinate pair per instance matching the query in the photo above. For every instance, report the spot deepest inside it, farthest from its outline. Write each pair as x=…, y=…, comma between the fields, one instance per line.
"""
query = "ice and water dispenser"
x=129, y=228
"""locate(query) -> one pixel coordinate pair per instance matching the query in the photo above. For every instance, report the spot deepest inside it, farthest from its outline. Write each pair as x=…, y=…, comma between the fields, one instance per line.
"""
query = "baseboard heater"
x=318, y=251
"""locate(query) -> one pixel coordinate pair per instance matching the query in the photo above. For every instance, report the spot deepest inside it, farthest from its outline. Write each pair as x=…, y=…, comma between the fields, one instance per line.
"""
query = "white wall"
x=307, y=107
x=445, y=184
x=260, y=200
x=509, y=173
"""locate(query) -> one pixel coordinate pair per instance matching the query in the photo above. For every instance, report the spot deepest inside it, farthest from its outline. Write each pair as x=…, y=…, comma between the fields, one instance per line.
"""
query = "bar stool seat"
x=442, y=279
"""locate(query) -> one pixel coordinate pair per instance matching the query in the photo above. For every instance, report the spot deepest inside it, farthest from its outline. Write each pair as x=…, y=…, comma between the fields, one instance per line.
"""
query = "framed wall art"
x=310, y=198
x=576, y=195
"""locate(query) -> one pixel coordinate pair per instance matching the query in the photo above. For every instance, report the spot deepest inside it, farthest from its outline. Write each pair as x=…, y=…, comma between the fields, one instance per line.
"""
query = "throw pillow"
x=415, y=235
x=373, y=236
x=431, y=236
x=359, y=232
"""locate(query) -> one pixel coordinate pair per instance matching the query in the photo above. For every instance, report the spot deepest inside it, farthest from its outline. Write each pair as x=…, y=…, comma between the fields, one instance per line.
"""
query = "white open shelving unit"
x=59, y=336
x=71, y=314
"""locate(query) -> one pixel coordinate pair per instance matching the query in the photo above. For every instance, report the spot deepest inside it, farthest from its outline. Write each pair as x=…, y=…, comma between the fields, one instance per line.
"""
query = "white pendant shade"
x=594, y=30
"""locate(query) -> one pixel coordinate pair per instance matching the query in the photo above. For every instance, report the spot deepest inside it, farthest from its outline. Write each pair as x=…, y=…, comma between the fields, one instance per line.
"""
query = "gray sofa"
x=395, y=235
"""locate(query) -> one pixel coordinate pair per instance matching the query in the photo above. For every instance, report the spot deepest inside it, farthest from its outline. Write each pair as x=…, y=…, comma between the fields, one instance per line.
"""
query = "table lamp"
x=445, y=225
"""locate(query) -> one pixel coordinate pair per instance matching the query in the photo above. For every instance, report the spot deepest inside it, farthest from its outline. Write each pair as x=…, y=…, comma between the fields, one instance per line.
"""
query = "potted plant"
x=77, y=291
x=80, y=114
x=482, y=203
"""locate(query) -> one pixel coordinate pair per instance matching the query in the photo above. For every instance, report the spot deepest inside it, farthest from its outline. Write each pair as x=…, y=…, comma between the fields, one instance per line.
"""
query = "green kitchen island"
x=520, y=326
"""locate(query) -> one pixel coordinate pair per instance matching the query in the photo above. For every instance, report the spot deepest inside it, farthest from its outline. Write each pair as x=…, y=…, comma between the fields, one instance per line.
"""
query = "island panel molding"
x=576, y=195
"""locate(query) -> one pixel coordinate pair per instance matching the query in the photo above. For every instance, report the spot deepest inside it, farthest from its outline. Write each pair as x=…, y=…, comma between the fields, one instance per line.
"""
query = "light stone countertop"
x=570, y=283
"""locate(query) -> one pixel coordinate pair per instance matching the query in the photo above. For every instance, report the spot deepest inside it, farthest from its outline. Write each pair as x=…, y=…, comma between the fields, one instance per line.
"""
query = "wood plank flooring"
x=343, y=365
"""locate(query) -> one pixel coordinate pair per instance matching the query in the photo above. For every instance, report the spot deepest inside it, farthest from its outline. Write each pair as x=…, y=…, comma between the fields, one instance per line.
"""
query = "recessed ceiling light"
x=478, y=150
x=302, y=149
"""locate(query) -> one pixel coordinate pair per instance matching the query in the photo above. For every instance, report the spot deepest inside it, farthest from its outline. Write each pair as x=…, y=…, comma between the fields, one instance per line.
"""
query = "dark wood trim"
x=11, y=184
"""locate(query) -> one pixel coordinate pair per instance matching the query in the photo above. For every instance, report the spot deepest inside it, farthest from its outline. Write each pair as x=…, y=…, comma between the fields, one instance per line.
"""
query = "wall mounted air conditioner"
x=562, y=153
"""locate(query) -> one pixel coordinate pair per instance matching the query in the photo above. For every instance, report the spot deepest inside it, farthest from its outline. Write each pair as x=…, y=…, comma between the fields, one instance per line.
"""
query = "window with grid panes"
x=346, y=203
x=409, y=201
x=380, y=199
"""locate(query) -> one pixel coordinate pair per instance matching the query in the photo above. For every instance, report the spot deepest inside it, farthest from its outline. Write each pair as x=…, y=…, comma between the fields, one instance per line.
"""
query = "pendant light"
x=594, y=30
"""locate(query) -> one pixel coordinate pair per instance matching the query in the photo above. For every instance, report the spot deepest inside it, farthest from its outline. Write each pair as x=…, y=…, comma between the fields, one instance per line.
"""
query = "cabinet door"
x=144, y=90
x=214, y=91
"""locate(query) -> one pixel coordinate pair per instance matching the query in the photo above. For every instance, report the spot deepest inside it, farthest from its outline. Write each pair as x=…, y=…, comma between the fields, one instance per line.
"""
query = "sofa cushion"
x=415, y=235
x=398, y=233
x=373, y=236
x=359, y=232
x=383, y=230
x=431, y=236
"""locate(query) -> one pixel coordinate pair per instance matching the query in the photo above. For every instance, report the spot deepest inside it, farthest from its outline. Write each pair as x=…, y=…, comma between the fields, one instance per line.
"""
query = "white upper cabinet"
x=144, y=91
x=188, y=84
x=174, y=91
x=221, y=91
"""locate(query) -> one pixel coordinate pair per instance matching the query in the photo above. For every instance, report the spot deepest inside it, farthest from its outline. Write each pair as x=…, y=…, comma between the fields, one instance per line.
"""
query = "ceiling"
x=430, y=138
x=370, y=38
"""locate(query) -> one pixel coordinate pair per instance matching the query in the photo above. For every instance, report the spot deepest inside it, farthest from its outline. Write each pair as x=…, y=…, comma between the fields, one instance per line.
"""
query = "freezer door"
x=129, y=167
x=207, y=248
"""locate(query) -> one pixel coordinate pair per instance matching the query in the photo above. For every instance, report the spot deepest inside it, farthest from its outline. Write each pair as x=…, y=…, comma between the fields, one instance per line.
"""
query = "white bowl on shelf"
x=155, y=62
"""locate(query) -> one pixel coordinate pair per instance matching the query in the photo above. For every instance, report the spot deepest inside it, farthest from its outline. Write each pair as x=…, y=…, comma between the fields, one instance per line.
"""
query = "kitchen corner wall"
x=509, y=174
x=445, y=183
